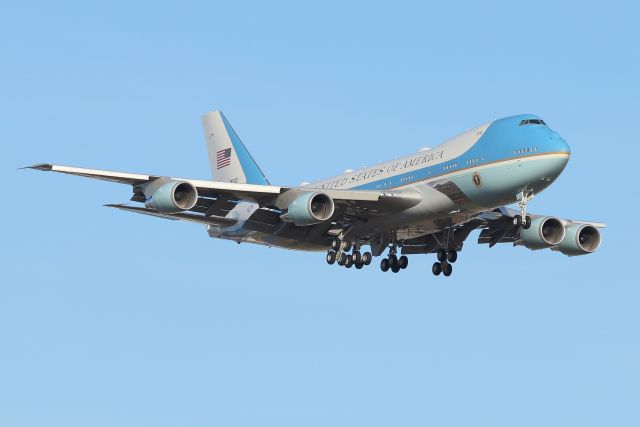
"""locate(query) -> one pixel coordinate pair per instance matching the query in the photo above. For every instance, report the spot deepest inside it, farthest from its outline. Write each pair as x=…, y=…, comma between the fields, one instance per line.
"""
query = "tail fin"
x=229, y=158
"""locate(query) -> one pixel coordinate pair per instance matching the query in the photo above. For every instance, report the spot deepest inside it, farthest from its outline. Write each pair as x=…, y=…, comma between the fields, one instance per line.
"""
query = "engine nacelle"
x=544, y=232
x=309, y=209
x=171, y=196
x=580, y=239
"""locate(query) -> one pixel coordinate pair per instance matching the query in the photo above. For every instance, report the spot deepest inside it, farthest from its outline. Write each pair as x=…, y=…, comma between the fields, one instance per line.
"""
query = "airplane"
x=427, y=202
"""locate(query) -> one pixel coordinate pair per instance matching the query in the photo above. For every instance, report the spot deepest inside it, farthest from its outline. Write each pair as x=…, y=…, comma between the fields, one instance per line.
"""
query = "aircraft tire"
x=527, y=222
x=395, y=268
x=331, y=257
x=348, y=262
x=436, y=269
x=393, y=260
x=366, y=258
x=335, y=244
x=357, y=257
x=342, y=259
x=403, y=262
x=442, y=255
x=452, y=256
x=517, y=221
x=447, y=269
x=384, y=265
x=359, y=265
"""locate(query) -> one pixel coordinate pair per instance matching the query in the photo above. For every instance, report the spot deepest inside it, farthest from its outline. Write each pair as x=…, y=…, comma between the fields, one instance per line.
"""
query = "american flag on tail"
x=223, y=158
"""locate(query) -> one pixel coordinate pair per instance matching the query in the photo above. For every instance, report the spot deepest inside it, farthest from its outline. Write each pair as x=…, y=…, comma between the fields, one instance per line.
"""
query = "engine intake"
x=580, y=239
x=544, y=232
x=309, y=209
x=171, y=196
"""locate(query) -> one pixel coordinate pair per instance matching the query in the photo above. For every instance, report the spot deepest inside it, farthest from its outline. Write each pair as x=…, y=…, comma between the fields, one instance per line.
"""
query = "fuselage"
x=483, y=168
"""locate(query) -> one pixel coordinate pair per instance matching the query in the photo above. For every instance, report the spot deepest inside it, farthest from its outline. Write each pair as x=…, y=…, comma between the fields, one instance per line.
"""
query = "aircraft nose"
x=559, y=144
x=555, y=165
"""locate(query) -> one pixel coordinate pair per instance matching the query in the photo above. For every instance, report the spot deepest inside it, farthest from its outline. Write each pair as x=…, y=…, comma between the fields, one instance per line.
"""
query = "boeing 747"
x=427, y=202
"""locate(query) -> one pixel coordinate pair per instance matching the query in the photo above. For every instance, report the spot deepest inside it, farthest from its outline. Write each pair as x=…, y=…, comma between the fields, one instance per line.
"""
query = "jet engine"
x=544, y=232
x=309, y=208
x=580, y=239
x=171, y=196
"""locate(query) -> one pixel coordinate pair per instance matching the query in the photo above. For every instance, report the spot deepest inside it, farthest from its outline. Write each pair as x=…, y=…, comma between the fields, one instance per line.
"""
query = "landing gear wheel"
x=436, y=269
x=366, y=258
x=359, y=265
x=384, y=265
x=393, y=260
x=527, y=222
x=442, y=255
x=331, y=257
x=349, y=262
x=403, y=262
x=335, y=244
x=452, y=256
x=343, y=259
x=517, y=221
x=346, y=246
x=395, y=268
x=447, y=269
x=357, y=258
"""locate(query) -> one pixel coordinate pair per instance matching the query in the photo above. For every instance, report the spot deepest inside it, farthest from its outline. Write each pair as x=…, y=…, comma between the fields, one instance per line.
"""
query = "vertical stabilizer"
x=229, y=159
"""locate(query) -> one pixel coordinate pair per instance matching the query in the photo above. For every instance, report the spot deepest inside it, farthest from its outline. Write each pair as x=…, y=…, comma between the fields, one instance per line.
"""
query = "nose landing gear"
x=523, y=220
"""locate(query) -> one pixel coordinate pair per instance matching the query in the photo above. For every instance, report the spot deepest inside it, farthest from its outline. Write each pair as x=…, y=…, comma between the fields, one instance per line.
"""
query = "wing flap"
x=210, y=220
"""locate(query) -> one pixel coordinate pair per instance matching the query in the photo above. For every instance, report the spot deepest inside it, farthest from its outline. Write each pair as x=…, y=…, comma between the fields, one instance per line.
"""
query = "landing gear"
x=523, y=198
x=394, y=263
x=442, y=267
x=517, y=222
x=339, y=253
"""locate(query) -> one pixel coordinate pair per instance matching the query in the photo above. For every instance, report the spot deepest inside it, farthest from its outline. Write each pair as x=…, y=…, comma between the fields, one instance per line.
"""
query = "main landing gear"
x=339, y=253
x=443, y=265
x=394, y=263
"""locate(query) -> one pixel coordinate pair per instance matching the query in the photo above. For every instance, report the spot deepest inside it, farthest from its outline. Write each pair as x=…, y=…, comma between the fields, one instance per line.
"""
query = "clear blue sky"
x=109, y=318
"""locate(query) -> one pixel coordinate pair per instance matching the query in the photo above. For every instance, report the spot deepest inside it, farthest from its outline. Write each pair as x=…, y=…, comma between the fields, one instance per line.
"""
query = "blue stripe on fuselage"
x=499, y=142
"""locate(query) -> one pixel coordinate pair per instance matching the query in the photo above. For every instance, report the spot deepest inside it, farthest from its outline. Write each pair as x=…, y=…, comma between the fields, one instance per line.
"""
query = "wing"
x=216, y=199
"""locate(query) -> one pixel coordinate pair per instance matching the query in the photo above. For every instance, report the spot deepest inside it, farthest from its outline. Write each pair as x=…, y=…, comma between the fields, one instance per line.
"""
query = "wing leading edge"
x=216, y=198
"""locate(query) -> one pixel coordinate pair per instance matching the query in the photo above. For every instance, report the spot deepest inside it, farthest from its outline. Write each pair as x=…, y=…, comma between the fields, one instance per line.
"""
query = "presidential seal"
x=477, y=181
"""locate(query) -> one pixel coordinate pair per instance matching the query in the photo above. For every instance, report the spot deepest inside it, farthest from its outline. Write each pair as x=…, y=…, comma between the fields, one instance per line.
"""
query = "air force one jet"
x=427, y=202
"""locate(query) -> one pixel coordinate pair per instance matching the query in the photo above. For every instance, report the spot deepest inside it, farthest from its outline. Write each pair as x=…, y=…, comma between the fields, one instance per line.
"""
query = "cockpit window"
x=532, y=122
